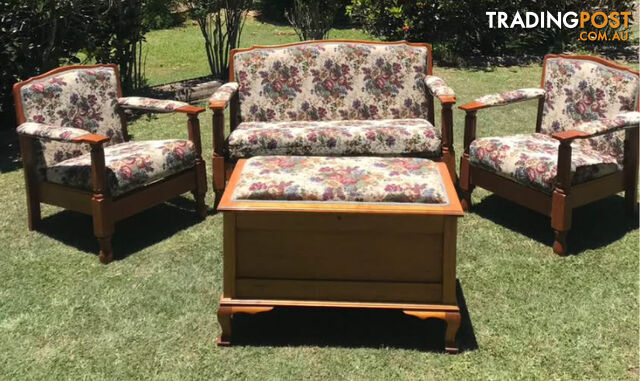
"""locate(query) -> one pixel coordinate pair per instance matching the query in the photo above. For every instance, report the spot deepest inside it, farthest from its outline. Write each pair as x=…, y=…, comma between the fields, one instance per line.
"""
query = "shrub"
x=312, y=20
x=35, y=36
x=161, y=14
x=221, y=23
x=39, y=35
x=118, y=37
x=461, y=29
x=274, y=10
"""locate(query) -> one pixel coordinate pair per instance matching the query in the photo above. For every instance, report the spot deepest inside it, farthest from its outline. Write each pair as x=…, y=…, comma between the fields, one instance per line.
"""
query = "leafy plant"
x=39, y=35
x=312, y=20
x=221, y=23
x=460, y=29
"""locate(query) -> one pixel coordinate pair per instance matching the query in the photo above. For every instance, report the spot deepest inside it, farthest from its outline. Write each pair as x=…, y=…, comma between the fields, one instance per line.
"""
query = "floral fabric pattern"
x=150, y=104
x=511, y=97
x=619, y=121
x=579, y=91
x=438, y=87
x=63, y=134
x=329, y=81
x=224, y=92
x=129, y=165
x=390, y=137
x=532, y=160
x=83, y=98
x=341, y=179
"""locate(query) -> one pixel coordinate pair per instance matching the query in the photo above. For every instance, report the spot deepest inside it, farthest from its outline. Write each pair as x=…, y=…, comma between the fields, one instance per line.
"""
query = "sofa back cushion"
x=579, y=90
x=332, y=80
x=85, y=98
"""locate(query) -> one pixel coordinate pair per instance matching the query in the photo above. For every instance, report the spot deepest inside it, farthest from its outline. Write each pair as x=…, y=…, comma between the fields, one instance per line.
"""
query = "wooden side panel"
x=511, y=190
x=330, y=247
x=339, y=290
x=449, y=260
x=339, y=222
x=596, y=189
x=65, y=197
x=229, y=257
x=335, y=256
x=153, y=194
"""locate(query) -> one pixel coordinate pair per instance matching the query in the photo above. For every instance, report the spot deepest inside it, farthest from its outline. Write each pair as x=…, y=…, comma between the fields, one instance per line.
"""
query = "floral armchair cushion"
x=83, y=98
x=580, y=90
x=341, y=179
x=394, y=137
x=332, y=81
x=129, y=165
x=532, y=159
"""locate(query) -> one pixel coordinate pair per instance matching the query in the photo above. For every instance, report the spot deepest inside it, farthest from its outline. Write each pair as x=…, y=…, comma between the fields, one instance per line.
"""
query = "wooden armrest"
x=91, y=139
x=569, y=135
x=190, y=109
x=502, y=99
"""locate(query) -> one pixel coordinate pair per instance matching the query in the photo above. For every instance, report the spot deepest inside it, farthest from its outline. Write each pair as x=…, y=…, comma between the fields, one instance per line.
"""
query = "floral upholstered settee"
x=585, y=145
x=331, y=98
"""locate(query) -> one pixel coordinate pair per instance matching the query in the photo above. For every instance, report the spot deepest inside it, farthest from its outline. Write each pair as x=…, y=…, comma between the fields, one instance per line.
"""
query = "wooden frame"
x=105, y=209
x=340, y=255
x=223, y=167
x=565, y=197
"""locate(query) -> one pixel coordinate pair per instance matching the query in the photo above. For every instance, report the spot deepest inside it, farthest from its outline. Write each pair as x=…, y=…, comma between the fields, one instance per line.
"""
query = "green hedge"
x=39, y=35
x=459, y=29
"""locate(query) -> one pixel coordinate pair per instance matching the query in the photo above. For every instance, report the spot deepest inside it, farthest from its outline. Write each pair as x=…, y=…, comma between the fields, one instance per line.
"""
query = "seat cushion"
x=385, y=137
x=129, y=165
x=531, y=159
x=341, y=179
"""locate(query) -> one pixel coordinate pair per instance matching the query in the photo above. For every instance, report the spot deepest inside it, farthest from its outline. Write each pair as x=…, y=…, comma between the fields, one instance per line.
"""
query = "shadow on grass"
x=131, y=235
x=350, y=328
x=10, y=148
x=593, y=225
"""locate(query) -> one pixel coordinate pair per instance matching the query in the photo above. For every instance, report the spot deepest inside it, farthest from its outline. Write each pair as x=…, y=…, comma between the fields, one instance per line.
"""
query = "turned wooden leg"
x=224, y=318
x=33, y=211
x=453, y=325
x=201, y=206
x=631, y=202
x=466, y=188
x=219, y=178
x=560, y=242
x=631, y=148
x=452, y=319
x=201, y=189
x=106, y=251
x=561, y=214
x=448, y=157
x=27, y=150
x=225, y=314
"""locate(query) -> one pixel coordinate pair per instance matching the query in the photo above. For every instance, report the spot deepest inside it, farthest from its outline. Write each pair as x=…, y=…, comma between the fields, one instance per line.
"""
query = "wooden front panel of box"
x=340, y=257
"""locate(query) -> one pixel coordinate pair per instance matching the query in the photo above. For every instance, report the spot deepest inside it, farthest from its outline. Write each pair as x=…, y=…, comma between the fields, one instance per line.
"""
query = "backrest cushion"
x=332, y=81
x=580, y=90
x=85, y=98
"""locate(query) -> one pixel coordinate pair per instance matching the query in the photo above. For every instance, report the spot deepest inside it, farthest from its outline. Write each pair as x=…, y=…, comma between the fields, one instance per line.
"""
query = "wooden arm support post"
x=193, y=125
x=560, y=201
x=448, y=152
x=466, y=186
x=103, y=224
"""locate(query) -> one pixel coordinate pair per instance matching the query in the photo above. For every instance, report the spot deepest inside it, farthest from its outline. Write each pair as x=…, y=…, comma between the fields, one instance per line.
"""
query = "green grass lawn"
x=151, y=314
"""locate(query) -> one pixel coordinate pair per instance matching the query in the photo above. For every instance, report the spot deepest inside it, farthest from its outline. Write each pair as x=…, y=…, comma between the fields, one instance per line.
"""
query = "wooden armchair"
x=579, y=152
x=331, y=98
x=77, y=154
